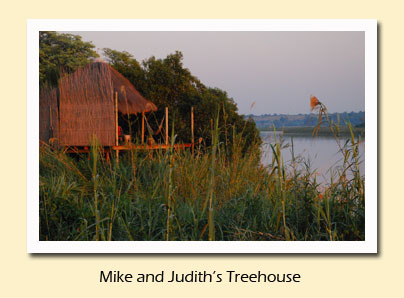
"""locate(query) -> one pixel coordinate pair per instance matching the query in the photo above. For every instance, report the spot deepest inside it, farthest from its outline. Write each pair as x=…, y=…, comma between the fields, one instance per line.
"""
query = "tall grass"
x=215, y=194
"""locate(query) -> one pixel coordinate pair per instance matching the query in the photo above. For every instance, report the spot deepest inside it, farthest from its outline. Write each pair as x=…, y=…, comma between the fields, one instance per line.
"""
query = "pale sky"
x=278, y=71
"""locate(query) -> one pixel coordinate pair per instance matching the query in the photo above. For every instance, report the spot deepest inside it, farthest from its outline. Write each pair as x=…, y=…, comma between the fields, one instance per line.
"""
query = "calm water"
x=320, y=153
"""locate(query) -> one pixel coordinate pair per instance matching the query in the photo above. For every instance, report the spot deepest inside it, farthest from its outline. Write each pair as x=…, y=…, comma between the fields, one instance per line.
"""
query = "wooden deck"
x=128, y=147
x=150, y=147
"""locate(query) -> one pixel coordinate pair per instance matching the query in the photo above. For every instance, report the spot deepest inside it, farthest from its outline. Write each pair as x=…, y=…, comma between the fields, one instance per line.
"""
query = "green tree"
x=128, y=67
x=61, y=53
x=167, y=83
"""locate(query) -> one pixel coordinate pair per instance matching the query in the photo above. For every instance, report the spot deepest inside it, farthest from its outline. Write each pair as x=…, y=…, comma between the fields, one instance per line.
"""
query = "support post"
x=142, y=128
x=50, y=123
x=116, y=126
x=116, y=119
x=107, y=151
x=192, y=129
x=166, y=125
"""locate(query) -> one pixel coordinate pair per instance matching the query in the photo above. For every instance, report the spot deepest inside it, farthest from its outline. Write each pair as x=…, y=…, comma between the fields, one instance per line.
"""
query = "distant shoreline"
x=267, y=121
x=308, y=130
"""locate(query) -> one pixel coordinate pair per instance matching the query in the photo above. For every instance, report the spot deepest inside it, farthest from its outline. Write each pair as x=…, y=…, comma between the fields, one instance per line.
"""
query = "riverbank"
x=323, y=131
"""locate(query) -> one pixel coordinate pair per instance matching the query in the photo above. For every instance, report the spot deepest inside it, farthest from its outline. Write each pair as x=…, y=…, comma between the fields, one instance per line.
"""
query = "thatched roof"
x=82, y=106
x=103, y=76
x=130, y=101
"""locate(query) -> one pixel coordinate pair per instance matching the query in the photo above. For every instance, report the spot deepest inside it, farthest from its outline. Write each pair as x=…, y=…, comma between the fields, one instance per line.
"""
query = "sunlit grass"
x=217, y=193
x=82, y=199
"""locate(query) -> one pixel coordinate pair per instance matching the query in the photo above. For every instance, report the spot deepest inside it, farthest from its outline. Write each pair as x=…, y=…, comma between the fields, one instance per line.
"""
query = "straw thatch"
x=130, y=100
x=48, y=115
x=85, y=104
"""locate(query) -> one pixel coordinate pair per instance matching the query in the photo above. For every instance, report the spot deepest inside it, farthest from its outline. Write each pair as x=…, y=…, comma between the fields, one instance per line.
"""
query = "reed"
x=215, y=135
x=170, y=200
x=207, y=195
x=94, y=157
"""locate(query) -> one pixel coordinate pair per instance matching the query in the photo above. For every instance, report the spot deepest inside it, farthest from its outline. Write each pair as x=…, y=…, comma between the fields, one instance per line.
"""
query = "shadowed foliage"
x=61, y=53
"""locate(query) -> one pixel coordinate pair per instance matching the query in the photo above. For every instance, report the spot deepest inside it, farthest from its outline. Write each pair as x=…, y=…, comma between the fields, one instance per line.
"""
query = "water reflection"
x=320, y=155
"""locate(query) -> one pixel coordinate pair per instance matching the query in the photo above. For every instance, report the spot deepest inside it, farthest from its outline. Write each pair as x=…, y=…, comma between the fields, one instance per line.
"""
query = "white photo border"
x=34, y=245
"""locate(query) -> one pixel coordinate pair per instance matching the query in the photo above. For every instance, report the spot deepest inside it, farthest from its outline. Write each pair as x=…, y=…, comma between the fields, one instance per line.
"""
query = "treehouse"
x=86, y=104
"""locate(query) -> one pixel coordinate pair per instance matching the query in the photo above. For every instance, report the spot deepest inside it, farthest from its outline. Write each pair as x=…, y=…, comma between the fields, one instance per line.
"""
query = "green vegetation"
x=168, y=84
x=221, y=192
x=61, y=53
x=217, y=194
x=165, y=82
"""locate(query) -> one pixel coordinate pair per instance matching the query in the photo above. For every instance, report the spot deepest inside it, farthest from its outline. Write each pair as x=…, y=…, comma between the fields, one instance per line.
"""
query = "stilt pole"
x=116, y=119
x=116, y=126
x=166, y=125
x=142, y=128
x=192, y=129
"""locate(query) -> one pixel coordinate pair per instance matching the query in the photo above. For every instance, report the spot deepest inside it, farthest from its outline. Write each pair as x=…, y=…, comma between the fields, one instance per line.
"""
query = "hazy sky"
x=276, y=70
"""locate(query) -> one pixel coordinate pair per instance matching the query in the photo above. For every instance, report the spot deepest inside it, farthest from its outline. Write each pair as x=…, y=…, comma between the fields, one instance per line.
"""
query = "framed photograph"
x=202, y=136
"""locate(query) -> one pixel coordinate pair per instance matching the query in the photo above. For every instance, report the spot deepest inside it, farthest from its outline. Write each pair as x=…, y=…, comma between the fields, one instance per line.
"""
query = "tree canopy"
x=165, y=82
x=61, y=53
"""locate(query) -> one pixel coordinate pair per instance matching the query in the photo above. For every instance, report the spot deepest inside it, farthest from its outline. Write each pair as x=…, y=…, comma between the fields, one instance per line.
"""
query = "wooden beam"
x=192, y=129
x=117, y=155
x=166, y=126
x=142, y=127
x=116, y=119
x=150, y=147
x=116, y=127
x=50, y=123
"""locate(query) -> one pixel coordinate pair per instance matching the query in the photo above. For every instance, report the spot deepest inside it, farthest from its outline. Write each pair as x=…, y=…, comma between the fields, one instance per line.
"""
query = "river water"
x=321, y=154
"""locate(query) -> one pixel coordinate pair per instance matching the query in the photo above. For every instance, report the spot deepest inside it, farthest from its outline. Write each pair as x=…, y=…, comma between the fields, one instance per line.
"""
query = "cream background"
x=24, y=275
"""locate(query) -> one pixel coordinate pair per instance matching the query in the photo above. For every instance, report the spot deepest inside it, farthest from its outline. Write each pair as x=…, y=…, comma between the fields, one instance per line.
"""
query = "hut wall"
x=86, y=107
x=48, y=115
